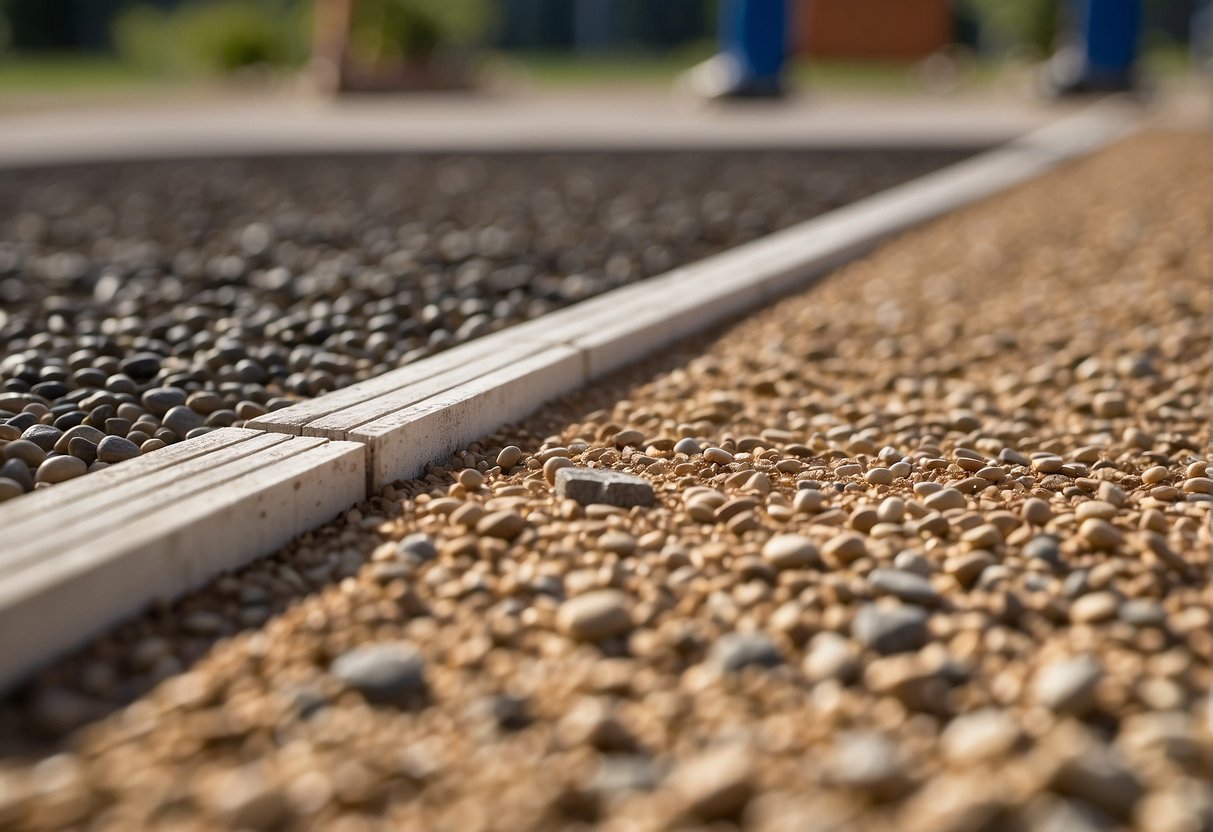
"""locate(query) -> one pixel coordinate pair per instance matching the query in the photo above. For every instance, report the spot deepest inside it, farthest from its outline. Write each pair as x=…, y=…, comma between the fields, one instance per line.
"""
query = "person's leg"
x=755, y=33
x=330, y=43
x=1111, y=30
x=753, y=50
x=1102, y=56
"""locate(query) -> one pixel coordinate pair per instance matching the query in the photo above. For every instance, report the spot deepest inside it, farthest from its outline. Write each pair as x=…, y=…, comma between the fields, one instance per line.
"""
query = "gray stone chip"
x=890, y=629
x=594, y=485
x=386, y=674
x=736, y=651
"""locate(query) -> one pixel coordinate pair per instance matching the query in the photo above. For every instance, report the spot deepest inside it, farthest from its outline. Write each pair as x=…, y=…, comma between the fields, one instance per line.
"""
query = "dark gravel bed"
x=143, y=304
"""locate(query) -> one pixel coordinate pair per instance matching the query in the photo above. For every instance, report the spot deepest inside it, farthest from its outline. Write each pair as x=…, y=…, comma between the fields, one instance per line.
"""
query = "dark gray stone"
x=594, y=485
x=890, y=629
x=116, y=449
x=82, y=449
x=687, y=446
x=1044, y=547
x=418, y=547
x=160, y=400
x=181, y=420
x=142, y=365
x=736, y=651
x=44, y=436
x=18, y=472
x=906, y=586
x=386, y=674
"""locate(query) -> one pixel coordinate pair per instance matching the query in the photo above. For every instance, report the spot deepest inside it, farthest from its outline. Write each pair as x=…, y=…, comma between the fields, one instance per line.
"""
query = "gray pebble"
x=619, y=773
x=181, y=420
x=82, y=449
x=737, y=651
x=116, y=449
x=44, y=436
x=141, y=365
x=593, y=485
x=1049, y=813
x=418, y=547
x=1143, y=612
x=687, y=446
x=1076, y=583
x=906, y=586
x=160, y=400
x=890, y=629
x=1100, y=777
x=386, y=674
x=1043, y=547
x=18, y=472
x=910, y=561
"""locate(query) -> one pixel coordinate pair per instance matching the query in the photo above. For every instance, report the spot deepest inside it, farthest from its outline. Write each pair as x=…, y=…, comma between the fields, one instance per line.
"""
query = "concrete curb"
x=76, y=562
x=79, y=558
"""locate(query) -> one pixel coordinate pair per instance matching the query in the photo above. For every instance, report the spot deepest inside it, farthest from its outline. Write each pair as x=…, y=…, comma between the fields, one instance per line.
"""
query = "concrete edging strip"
x=159, y=530
x=82, y=556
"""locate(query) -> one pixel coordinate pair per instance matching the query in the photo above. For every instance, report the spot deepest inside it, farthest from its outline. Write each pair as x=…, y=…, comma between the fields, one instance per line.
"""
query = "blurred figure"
x=330, y=44
x=1104, y=58
x=753, y=52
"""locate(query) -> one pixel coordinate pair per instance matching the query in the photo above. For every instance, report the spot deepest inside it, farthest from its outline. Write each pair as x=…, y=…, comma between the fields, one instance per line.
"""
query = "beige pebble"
x=595, y=615
x=1109, y=405
x=879, y=476
x=505, y=525
x=1036, y=511
x=945, y=499
x=790, y=551
x=1095, y=508
x=553, y=465
x=1100, y=534
x=1198, y=485
x=1094, y=607
x=628, y=437
x=1154, y=475
x=986, y=536
x=809, y=502
x=471, y=479
x=845, y=548
x=509, y=456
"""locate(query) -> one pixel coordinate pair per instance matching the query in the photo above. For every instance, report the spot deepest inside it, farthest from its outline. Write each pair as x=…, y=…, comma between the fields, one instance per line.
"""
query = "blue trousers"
x=1111, y=30
x=755, y=33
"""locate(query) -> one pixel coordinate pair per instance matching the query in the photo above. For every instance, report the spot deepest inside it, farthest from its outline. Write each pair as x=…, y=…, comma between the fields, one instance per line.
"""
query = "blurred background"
x=65, y=50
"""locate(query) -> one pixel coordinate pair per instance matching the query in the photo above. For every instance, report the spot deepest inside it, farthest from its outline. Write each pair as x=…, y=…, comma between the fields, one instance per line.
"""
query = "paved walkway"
x=586, y=119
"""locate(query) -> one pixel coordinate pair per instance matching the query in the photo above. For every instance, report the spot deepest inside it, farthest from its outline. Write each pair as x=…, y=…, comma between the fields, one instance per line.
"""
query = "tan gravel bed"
x=934, y=557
